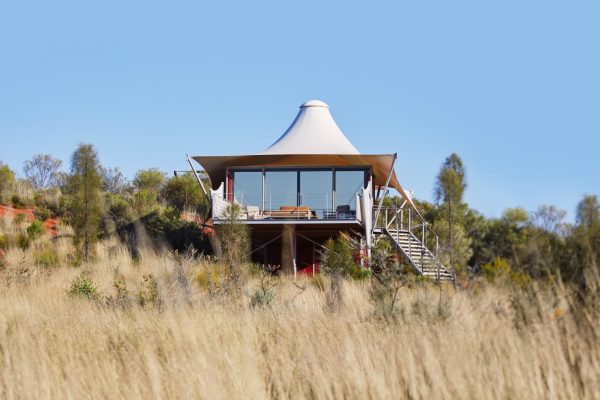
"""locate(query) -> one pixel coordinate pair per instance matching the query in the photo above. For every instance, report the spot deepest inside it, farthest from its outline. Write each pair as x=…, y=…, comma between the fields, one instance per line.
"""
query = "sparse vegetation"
x=83, y=286
x=524, y=336
x=157, y=313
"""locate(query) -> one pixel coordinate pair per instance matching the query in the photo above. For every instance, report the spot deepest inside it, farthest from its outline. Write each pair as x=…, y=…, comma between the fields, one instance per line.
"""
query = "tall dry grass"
x=195, y=342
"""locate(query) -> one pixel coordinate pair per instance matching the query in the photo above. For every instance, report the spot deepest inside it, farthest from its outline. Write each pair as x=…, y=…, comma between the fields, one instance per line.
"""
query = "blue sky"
x=513, y=87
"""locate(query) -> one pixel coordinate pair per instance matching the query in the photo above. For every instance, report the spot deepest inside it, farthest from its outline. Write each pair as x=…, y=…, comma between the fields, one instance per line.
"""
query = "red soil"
x=9, y=211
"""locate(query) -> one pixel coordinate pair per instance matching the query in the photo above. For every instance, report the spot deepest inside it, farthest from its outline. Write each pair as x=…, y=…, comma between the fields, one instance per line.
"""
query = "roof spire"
x=314, y=131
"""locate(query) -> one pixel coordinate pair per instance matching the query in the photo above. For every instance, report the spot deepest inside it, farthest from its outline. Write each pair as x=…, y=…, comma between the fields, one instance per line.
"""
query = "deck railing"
x=289, y=206
x=398, y=219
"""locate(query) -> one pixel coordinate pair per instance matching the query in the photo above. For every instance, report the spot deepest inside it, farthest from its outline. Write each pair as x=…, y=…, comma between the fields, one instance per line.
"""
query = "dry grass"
x=197, y=343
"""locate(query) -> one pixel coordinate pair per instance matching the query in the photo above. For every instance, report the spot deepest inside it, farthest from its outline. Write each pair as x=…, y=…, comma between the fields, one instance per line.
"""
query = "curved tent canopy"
x=314, y=140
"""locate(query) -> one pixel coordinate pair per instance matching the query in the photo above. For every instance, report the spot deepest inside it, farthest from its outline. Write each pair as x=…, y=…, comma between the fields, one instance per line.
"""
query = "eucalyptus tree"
x=85, y=202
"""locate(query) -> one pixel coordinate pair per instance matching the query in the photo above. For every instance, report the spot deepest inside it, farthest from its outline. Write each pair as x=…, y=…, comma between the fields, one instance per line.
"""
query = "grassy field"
x=191, y=339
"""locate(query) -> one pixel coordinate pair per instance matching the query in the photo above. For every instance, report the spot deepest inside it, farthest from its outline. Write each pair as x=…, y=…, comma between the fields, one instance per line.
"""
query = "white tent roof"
x=313, y=139
x=314, y=131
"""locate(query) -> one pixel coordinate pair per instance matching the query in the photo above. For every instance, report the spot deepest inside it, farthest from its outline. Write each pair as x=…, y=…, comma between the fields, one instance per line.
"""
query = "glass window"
x=316, y=190
x=281, y=189
x=247, y=187
x=347, y=184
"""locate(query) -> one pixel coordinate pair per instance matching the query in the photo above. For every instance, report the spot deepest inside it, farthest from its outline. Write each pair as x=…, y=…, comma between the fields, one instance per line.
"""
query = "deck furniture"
x=292, y=212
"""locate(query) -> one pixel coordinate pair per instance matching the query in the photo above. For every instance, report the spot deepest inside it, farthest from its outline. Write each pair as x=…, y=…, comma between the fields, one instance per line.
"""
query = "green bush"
x=339, y=258
x=23, y=241
x=83, y=286
x=42, y=213
x=19, y=219
x=35, y=230
x=18, y=202
x=46, y=257
x=4, y=242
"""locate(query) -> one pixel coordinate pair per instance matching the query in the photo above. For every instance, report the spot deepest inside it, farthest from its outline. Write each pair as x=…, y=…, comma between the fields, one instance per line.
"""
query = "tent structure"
x=288, y=222
x=312, y=139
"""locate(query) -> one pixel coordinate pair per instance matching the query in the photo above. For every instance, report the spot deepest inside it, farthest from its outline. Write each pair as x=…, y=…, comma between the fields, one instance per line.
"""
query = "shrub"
x=42, y=213
x=35, y=230
x=23, y=241
x=4, y=242
x=148, y=294
x=19, y=219
x=338, y=258
x=183, y=192
x=265, y=293
x=121, y=298
x=19, y=202
x=83, y=286
x=499, y=268
x=209, y=277
x=501, y=271
x=46, y=257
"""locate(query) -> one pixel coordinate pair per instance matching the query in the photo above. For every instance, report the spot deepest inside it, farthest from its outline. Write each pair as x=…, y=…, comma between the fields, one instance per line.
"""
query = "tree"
x=42, y=170
x=149, y=179
x=7, y=181
x=549, y=218
x=148, y=184
x=113, y=180
x=183, y=192
x=449, y=188
x=588, y=211
x=85, y=198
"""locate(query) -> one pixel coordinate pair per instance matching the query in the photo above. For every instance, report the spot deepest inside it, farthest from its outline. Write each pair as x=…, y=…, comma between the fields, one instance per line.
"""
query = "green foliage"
x=7, y=181
x=209, y=277
x=121, y=298
x=149, y=179
x=46, y=257
x=85, y=205
x=84, y=286
x=165, y=227
x=588, y=211
x=42, y=213
x=118, y=209
x=449, y=224
x=20, y=202
x=339, y=257
x=19, y=219
x=148, y=294
x=183, y=193
x=234, y=238
x=501, y=271
x=35, y=230
x=265, y=294
x=499, y=268
x=23, y=241
x=390, y=275
x=450, y=182
x=4, y=242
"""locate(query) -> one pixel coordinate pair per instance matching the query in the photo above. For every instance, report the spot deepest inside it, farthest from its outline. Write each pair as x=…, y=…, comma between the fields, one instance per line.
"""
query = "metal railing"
x=289, y=206
x=396, y=219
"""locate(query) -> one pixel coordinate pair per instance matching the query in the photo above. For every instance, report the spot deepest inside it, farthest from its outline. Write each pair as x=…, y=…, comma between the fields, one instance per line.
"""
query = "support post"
x=397, y=225
x=387, y=182
x=189, y=160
